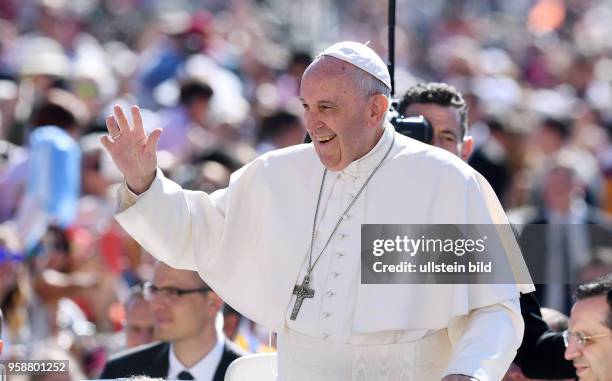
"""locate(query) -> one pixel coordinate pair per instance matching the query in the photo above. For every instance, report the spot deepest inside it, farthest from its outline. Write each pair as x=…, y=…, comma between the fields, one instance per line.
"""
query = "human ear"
x=466, y=148
x=377, y=108
x=214, y=303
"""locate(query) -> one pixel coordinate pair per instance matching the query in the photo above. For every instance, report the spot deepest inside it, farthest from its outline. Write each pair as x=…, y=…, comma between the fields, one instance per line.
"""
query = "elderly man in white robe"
x=289, y=223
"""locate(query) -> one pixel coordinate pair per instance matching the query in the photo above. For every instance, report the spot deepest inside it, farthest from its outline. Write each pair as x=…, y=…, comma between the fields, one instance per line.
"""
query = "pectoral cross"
x=302, y=292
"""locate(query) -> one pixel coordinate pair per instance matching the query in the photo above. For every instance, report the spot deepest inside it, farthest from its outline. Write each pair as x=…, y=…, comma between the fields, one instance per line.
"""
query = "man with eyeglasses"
x=139, y=324
x=184, y=311
x=589, y=337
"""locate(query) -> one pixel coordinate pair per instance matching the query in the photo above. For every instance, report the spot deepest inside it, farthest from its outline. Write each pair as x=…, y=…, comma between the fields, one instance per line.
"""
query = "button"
x=339, y=255
x=355, y=178
x=326, y=315
x=330, y=293
x=342, y=235
x=334, y=274
x=351, y=196
x=325, y=336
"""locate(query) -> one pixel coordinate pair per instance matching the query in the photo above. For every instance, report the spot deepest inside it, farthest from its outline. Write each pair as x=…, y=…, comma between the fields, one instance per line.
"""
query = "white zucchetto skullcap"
x=361, y=56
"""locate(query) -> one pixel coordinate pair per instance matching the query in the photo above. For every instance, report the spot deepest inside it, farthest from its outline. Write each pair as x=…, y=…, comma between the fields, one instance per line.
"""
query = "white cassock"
x=249, y=242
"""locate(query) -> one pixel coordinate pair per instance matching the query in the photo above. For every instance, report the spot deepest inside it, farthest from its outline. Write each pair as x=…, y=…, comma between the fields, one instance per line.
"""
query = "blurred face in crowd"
x=181, y=317
x=343, y=123
x=548, y=140
x=446, y=123
x=593, y=359
x=198, y=110
x=559, y=188
x=139, y=323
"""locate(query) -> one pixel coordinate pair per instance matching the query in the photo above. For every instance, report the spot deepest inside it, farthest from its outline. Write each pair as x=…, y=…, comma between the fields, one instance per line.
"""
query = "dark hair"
x=300, y=58
x=561, y=127
x=276, y=123
x=54, y=115
x=57, y=238
x=598, y=287
x=194, y=89
x=441, y=94
x=61, y=109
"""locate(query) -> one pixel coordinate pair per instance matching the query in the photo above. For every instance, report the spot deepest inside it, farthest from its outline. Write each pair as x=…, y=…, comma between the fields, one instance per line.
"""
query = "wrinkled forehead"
x=329, y=67
x=331, y=76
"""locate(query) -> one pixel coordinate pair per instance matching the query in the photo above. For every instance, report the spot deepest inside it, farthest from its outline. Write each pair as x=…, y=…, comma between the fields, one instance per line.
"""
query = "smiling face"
x=343, y=122
x=593, y=361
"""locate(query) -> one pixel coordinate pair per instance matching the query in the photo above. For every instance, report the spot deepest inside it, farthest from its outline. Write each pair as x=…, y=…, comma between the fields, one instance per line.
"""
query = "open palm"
x=133, y=152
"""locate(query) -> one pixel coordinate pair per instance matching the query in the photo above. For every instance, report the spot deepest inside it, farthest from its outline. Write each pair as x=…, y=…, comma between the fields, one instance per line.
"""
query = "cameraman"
x=445, y=109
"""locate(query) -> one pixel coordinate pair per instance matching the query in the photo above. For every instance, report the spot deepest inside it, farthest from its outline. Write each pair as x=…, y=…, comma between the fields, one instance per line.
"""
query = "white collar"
x=372, y=158
x=203, y=370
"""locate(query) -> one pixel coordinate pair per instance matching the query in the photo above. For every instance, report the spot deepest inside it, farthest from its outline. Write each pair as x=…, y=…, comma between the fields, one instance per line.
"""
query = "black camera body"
x=415, y=127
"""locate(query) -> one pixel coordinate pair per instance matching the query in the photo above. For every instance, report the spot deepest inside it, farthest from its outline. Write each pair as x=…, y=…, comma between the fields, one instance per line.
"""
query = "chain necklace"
x=303, y=291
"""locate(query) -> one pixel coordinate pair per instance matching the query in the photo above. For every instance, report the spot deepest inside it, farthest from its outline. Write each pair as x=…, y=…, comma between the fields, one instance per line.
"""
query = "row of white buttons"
x=334, y=274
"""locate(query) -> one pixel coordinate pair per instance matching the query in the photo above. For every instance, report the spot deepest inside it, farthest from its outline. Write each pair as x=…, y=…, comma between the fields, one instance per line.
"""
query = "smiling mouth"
x=325, y=139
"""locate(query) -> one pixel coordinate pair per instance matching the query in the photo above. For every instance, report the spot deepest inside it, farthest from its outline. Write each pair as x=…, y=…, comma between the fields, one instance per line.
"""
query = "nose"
x=572, y=351
x=311, y=121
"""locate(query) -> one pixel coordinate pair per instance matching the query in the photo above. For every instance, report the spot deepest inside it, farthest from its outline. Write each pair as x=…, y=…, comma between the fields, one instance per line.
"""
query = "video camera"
x=415, y=127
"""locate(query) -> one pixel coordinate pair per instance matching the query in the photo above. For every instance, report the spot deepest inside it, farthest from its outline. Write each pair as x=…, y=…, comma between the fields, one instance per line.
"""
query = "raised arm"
x=133, y=152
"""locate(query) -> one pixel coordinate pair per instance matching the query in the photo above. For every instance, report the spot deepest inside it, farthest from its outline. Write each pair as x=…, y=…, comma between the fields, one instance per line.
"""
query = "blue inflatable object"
x=54, y=178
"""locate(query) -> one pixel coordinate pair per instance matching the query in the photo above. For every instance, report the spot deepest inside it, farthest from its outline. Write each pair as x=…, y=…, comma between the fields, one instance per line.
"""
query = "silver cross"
x=302, y=292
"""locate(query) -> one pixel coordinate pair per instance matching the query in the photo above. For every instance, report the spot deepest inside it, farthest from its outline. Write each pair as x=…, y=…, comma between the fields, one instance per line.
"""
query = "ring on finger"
x=116, y=136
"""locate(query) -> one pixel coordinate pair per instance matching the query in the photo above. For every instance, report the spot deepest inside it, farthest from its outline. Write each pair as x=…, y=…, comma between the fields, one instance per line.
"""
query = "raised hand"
x=132, y=151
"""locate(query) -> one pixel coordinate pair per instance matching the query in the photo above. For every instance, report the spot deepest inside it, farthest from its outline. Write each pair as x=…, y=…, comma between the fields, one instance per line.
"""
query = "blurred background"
x=222, y=79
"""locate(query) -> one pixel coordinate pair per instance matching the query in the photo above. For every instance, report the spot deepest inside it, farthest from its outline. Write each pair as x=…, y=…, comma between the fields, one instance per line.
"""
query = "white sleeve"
x=160, y=219
x=485, y=341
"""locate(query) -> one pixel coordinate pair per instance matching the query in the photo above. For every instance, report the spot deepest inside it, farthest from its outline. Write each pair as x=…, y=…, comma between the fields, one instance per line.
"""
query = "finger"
x=111, y=126
x=122, y=121
x=138, y=124
x=151, y=145
x=106, y=142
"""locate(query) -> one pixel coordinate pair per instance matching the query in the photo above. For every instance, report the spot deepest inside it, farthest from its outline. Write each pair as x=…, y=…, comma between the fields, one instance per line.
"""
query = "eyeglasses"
x=150, y=291
x=580, y=338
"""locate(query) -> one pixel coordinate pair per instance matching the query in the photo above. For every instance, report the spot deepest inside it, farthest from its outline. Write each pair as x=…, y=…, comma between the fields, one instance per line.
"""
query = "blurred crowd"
x=222, y=79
